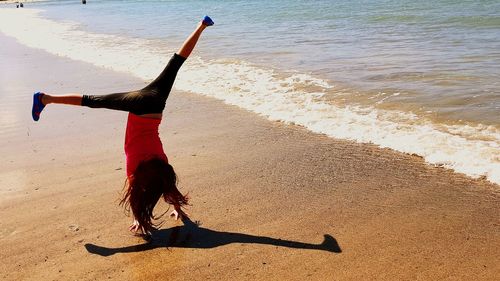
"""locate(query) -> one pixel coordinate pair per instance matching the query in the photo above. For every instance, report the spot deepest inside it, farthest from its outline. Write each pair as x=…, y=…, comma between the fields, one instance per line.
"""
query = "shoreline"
x=393, y=216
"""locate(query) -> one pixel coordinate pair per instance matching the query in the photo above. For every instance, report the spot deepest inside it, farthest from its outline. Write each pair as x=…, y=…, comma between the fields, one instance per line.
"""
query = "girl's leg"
x=162, y=85
x=127, y=101
x=191, y=41
x=149, y=100
x=134, y=102
x=40, y=100
x=72, y=99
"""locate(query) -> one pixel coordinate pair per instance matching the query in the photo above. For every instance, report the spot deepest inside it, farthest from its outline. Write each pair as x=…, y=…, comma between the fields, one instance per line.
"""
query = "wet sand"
x=270, y=201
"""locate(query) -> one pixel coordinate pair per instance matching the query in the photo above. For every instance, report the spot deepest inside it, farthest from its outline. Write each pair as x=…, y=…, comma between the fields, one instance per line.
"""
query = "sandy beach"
x=270, y=201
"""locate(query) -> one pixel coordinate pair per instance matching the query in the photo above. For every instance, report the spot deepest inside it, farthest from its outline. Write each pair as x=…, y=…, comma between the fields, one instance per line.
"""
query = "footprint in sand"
x=73, y=227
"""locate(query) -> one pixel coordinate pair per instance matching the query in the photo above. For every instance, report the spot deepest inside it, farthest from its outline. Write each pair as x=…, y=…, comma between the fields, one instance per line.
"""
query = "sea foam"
x=296, y=98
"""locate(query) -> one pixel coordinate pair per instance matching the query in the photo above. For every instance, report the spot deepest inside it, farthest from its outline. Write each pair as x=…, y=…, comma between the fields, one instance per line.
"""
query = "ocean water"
x=420, y=77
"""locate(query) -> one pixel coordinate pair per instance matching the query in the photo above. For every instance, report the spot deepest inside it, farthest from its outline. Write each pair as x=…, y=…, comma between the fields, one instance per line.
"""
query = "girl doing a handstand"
x=149, y=174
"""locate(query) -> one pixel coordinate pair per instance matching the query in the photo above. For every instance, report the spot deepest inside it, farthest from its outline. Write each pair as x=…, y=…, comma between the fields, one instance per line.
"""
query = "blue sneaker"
x=208, y=21
x=38, y=106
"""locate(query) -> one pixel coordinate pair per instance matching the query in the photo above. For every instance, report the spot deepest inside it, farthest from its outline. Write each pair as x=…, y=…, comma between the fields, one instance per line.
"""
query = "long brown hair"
x=152, y=179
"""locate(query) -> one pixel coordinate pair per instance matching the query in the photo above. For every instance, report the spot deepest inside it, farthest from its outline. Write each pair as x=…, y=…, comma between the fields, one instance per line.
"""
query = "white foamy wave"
x=295, y=98
x=259, y=90
x=132, y=55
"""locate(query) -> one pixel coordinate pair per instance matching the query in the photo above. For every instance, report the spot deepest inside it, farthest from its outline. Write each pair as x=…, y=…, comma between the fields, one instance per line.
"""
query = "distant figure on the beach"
x=149, y=174
x=84, y=1
x=21, y=5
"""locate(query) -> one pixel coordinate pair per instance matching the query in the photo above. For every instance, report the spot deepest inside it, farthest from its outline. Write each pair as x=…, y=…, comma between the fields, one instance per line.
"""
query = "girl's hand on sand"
x=178, y=213
x=134, y=227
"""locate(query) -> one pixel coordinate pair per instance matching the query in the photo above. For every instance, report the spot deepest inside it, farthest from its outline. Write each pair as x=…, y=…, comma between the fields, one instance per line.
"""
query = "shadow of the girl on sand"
x=191, y=235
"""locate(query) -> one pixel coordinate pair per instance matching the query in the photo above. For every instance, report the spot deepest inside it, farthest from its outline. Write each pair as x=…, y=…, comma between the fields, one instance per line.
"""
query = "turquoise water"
x=420, y=77
x=441, y=58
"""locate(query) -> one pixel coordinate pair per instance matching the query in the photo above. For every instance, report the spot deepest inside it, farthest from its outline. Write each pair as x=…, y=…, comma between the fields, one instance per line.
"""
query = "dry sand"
x=264, y=193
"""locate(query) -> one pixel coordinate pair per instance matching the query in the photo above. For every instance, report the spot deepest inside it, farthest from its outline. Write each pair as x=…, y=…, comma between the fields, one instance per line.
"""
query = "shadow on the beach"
x=191, y=235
